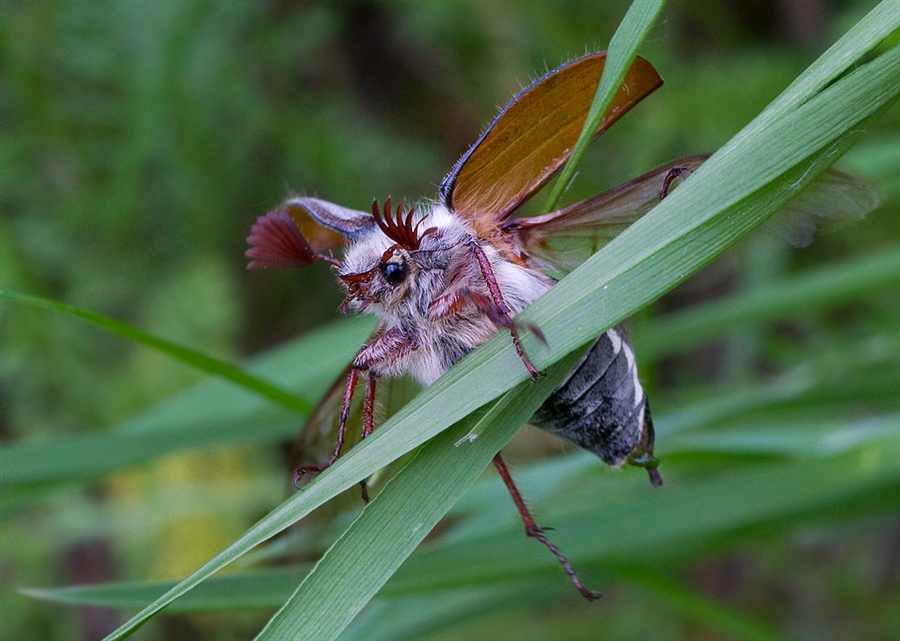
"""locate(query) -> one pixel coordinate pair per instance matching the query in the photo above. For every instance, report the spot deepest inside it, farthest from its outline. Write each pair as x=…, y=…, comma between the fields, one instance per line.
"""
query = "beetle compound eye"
x=394, y=273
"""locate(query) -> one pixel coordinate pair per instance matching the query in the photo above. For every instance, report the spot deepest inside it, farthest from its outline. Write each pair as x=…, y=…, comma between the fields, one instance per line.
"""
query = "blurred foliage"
x=139, y=141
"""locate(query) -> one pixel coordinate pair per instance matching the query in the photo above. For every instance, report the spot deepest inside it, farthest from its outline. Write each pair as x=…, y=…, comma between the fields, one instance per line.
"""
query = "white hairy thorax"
x=441, y=266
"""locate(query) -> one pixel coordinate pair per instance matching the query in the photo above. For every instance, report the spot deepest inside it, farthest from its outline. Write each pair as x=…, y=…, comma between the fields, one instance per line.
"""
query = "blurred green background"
x=140, y=140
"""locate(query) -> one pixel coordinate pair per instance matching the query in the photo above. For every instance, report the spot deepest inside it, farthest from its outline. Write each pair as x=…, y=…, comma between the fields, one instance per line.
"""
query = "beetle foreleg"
x=368, y=424
x=375, y=359
x=345, y=412
x=369, y=407
x=384, y=355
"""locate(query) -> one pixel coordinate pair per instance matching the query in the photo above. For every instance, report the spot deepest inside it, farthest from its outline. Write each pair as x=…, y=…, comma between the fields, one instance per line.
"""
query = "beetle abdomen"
x=601, y=405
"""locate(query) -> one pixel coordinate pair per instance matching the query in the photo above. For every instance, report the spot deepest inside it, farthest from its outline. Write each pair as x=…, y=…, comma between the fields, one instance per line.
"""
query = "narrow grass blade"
x=708, y=612
x=402, y=514
x=271, y=588
x=266, y=589
x=622, y=50
x=186, y=355
x=622, y=520
x=826, y=286
x=809, y=439
x=798, y=390
x=212, y=413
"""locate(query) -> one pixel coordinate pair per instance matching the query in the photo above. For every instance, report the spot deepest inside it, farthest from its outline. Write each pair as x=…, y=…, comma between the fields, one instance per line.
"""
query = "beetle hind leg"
x=534, y=531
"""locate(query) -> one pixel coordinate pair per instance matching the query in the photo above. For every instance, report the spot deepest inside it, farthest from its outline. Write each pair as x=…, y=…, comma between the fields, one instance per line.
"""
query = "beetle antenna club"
x=400, y=230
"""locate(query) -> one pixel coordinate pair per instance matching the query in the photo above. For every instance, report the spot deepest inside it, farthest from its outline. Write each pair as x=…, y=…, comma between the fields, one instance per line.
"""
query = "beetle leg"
x=384, y=350
x=368, y=424
x=369, y=407
x=345, y=412
x=502, y=309
x=675, y=172
x=534, y=531
x=383, y=354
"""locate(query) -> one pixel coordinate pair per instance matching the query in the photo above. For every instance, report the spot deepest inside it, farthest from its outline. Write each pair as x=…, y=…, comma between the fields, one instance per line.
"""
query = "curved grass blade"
x=211, y=413
x=266, y=589
x=188, y=356
x=790, y=389
x=270, y=588
x=809, y=439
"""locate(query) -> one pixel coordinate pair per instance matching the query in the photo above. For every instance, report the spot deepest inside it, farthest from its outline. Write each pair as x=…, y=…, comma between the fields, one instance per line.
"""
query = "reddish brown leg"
x=345, y=412
x=676, y=172
x=368, y=424
x=533, y=530
x=369, y=407
x=390, y=345
x=488, y=274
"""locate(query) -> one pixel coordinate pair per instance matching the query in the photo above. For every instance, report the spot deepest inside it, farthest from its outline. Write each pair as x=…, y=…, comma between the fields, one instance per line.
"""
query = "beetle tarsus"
x=536, y=532
x=675, y=172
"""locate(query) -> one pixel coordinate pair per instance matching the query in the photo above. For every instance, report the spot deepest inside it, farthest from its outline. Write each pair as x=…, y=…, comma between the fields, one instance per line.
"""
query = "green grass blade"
x=826, y=286
x=81, y=458
x=726, y=198
x=271, y=588
x=622, y=50
x=809, y=439
x=695, y=606
x=622, y=519
x=209, y=414
x=186, y=355
x=796, y=389
x=402, y=514
x=266, y=589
